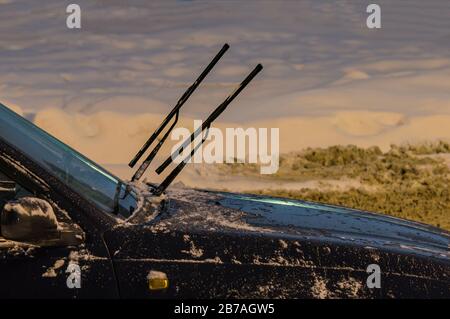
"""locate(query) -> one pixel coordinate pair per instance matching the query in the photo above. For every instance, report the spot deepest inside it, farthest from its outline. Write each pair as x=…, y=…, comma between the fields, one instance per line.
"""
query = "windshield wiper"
x=175, y=112
x=158, y=190
x=205, y=126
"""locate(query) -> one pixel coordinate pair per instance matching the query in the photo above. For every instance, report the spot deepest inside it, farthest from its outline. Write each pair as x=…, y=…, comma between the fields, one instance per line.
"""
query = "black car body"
x=200, y=244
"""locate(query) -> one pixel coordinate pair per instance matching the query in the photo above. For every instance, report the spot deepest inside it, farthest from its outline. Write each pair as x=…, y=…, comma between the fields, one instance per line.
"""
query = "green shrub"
x=409, y=181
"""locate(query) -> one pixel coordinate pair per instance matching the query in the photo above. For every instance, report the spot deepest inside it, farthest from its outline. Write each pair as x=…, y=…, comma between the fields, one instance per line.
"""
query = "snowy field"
x=327, y=79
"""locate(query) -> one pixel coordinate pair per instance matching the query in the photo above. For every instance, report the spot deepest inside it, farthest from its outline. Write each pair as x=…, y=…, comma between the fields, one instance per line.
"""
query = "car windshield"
x=82, y=175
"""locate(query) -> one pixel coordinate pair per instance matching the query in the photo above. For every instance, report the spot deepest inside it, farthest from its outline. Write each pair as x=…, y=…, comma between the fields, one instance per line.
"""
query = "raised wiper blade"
x=205, y=125
x=175, y=112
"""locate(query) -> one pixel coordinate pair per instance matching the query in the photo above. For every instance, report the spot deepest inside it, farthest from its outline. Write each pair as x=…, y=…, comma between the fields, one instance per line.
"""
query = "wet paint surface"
x=226, y=245
x=342, y=223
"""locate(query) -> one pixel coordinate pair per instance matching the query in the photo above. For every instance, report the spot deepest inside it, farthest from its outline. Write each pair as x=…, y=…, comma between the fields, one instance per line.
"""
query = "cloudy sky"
x=327, y=77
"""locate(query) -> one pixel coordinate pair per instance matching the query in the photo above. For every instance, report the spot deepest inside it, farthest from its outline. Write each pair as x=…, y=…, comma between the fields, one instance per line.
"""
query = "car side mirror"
x=32, y=220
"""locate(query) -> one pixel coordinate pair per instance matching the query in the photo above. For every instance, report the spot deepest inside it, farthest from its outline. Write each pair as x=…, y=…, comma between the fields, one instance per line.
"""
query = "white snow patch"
x=51, y=272
x=33, y=213
x=148, y=206
x=350, y=287
x=319, y=289
x=153, y=274
x=283, y=244
x=194, y=251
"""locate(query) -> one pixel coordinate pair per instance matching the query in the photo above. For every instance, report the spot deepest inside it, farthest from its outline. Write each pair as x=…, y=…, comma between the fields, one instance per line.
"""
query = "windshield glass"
x=81, y=174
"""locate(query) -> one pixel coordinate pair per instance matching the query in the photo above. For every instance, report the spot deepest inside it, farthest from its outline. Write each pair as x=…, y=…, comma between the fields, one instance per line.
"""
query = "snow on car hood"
x=343, y=224
x=191, y=211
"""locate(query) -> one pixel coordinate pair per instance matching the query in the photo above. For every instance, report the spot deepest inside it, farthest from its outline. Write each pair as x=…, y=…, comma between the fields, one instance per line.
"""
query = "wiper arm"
x=175, y=112
x=117, y=197
x=205, y=126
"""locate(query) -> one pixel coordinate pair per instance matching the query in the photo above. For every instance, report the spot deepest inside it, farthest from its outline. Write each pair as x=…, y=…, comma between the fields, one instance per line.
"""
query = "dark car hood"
x=214, y=214
x=210, y=237
x=339, y=223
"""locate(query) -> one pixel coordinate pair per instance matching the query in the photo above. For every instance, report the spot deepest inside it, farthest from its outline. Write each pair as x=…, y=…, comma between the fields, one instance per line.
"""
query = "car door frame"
x=97, y=273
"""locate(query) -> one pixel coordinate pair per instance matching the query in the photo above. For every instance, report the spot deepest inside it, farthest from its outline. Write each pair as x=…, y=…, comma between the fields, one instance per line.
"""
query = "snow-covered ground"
x=327, y=78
